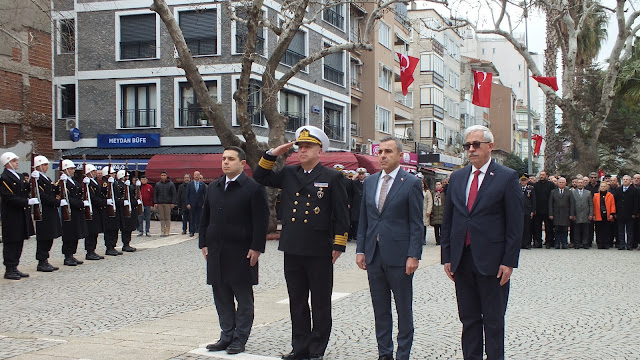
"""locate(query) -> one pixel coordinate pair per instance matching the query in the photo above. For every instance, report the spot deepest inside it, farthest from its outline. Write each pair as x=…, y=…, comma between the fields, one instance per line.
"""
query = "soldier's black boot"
x=44, y=266
x=70, y=261
x=11, y=273
x=126, y=247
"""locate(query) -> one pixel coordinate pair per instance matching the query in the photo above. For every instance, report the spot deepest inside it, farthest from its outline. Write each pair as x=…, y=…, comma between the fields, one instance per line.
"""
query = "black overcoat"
x=233, y=221
x=77, y=227
x=111, y=223
x=355, y=198
x=17, y=224
x=98, y=206
x=50, y=226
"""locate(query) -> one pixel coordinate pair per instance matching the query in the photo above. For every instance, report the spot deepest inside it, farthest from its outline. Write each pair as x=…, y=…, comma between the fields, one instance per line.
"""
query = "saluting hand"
x=280, y=150
x=253, y=256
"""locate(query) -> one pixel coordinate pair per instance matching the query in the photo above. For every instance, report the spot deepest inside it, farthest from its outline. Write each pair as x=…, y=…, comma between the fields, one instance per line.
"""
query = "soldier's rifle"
x=111, y=210
x=64, y=195
x=35, y=192
x=86, y=195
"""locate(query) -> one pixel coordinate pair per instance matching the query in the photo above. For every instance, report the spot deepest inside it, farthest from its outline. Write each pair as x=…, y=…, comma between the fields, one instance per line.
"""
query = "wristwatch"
x=270, y=152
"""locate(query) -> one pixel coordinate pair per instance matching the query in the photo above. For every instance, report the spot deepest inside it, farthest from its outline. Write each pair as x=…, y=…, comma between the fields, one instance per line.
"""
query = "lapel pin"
x=491, y=173
x=401, y=179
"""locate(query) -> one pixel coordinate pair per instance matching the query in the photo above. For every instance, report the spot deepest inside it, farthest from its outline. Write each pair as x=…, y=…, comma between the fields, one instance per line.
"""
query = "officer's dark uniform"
x=16, y=221
x=75, y=229
x=111, y=224
x=95, y=226
x=315, y=221
x=50, y=227
x=529, y=200
x=127, y=224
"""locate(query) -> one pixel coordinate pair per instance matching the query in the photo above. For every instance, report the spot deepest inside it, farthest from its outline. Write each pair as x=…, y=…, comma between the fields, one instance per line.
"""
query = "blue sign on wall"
x=128, y=140
x=75, y=135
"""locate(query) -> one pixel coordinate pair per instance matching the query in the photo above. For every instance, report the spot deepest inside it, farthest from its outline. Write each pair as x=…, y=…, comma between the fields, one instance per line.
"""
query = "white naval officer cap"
x=312, y=134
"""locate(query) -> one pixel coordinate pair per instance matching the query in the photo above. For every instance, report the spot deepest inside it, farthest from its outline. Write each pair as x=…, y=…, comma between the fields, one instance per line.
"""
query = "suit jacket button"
x=293, y=219
x=305, y=221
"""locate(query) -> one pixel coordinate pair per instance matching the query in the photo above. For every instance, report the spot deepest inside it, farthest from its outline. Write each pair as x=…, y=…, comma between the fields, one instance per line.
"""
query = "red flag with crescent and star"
x=407, y=66
x=538, y=139
x=551, y=82
x=482, y=88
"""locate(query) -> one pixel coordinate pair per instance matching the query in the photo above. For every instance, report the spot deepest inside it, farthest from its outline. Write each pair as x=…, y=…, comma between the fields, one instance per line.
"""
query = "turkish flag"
x=407, y=66
x=538, y=139
x=482, y=88
x=551, y=82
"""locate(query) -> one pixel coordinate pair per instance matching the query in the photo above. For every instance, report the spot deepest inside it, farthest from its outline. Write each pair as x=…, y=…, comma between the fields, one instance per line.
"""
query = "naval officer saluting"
x=315, y=225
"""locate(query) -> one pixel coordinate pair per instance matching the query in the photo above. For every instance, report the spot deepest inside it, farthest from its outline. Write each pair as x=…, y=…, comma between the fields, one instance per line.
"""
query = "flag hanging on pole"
x=551, y=82
x=538, y=139
x=407, y=66
x=482, y=88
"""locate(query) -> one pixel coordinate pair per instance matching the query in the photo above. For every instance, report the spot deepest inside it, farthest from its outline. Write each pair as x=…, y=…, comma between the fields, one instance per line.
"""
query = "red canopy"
x=176, y=165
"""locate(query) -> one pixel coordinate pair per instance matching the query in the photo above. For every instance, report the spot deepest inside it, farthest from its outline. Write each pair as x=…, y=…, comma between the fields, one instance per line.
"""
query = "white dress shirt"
x=483, y=172
x=393, y=175
x=230, y=180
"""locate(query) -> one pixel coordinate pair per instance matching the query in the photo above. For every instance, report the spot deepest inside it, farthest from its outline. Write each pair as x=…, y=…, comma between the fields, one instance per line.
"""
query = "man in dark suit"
x=390, y=234
x=182, y=204
x=355, y=197
x=562, y=210
x=529, y=200
x=477, y=257
x=232, y=237
x=626, y=198
x=194, y=198
x=315, y=228
x=50, y=227
x=16, y=215
x=543, y=190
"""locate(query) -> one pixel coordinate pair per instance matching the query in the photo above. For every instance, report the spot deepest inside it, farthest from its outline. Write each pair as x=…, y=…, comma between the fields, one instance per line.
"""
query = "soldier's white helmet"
x=89, y=168
x=105, y=171
x=8, y=156
x=120, y=174
x=40, y=160
x=67, y=164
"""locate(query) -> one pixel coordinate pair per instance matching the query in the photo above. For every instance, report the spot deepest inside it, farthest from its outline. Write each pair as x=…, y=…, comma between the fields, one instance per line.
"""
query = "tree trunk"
x=550, y=65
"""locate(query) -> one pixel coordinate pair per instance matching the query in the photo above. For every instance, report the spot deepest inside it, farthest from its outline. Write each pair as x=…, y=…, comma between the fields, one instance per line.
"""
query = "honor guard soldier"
x=76, y=228
x=529, y=200
x=95, y=226
x=111, y=223
x=49, y=227
x=127, y=224
x=315, y=225
x=16, y=215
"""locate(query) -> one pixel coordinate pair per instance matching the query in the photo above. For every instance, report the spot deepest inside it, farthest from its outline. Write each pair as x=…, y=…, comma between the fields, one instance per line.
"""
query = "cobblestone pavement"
x=154, y=304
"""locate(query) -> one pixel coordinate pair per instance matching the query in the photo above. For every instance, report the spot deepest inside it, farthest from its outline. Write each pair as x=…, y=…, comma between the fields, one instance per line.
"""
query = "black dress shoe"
x=236, y=347
x=385, y=357
x=79, y=262
x=70, y=261
x=295, y=356
x=24, y=275
x=12, y=275
x=92, y=256
x=219, y=346
x=112, y=252
x=128, y=248
x=44, y=266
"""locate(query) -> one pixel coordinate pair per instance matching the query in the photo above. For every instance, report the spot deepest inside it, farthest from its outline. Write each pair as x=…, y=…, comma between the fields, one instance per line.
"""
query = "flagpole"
x=530, y=132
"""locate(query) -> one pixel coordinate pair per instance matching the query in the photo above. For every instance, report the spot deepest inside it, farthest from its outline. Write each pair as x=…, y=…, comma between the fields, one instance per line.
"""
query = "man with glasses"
x=477, y=257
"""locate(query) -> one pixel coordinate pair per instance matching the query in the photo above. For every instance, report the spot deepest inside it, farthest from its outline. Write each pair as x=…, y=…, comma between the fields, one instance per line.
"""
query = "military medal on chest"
x=321, y=187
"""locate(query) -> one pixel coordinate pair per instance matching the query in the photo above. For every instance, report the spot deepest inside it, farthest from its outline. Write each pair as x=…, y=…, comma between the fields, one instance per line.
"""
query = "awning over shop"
x=439, y=171
x=369, y=162
x=209, y=165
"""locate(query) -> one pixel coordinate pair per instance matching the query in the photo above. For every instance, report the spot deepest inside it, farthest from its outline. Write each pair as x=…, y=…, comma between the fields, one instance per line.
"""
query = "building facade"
x=120, y=79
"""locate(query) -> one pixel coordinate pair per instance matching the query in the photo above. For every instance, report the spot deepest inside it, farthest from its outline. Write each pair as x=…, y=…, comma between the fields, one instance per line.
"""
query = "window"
x=385, y=77
x=431, y=128
x=292, y=106
x=494, y=50
x=334, y=15
x=200, y=30
x=68, y=100
x=384, y=34
x=384, y=120
x=241, y=34
x=431, y=62
x=67, y=36
x=138, y=36
x=354, y=29
x=139, y=104
x=429, y=29
x=401, y=13
x=296, y=50
x=334, y=121
x=190, y=111
x=334, y=67
x=519, y=67
x=519, y=84
x=430, y=95
x=405, y=100
x=355, y=71
x=254, y=103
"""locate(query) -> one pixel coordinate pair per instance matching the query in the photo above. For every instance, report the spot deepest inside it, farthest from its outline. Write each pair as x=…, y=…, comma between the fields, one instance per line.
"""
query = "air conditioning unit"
x=70, y=124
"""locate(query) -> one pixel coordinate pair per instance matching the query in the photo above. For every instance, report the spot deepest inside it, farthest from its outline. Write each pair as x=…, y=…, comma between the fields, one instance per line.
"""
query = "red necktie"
x=473, y=192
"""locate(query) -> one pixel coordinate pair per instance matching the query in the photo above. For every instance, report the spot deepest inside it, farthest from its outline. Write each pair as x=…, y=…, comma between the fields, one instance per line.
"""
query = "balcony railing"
x=138, y=50
x=405, y=100
x=203, y=46
x=333, y=75
x=355, y=83
x=334, y=132
x=255, y=115
x=193, y=116
x=138, y=118
x=295, y=120
x=241, y=40
x=332, y=17
x=291, y=57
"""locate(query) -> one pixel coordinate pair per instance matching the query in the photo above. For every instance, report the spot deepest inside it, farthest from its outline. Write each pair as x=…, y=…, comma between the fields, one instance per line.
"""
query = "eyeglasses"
x=476, y=144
